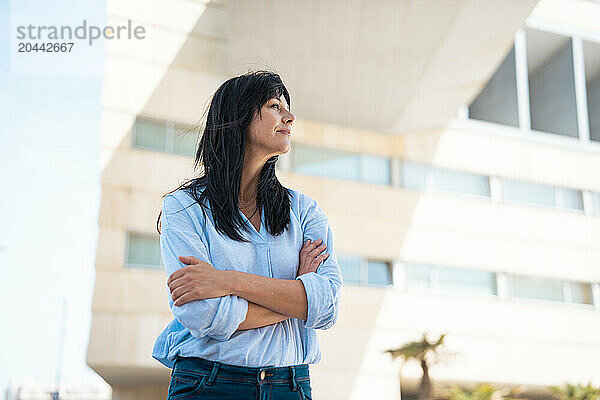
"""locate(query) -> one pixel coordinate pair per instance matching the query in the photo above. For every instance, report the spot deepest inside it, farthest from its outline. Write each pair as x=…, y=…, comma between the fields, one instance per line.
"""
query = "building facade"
x=454, y=146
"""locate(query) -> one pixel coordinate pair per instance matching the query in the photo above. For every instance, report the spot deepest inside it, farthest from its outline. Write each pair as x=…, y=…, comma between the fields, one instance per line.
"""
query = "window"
x=361, y=271
x=143, y=250
x=580, y=292
x=379, y=273
x=452, y=279
x=375, y=169
x=551, y=70
x=551, y=83
x=414, y=175
x=528, y=287
x=164, y=136
x=497, y=102
x=420, y=275
x=151, y=135
x=464, y=280
x=350, y=266
x=326, y=162
x=591, y=58
x=539, y=288
x=543, y=195
x=460, y=182
x=528, y=193
x=424, y=177
x=185, y=140
x=596, y=203
x=341, y=164
x=569, y=199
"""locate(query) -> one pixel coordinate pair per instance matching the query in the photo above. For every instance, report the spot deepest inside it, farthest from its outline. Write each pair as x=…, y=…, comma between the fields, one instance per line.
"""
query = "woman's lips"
x=285, y=132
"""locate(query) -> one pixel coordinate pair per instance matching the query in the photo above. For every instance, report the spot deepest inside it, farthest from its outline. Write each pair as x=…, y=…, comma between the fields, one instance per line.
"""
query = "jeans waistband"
x=200, y=367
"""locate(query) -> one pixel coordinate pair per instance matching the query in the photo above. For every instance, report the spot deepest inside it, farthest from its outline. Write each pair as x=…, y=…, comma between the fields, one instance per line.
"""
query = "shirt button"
x=262, y=375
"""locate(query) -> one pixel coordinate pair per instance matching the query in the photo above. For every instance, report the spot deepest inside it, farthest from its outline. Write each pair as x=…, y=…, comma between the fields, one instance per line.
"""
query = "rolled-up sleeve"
x=323, y=288
x=217, y=318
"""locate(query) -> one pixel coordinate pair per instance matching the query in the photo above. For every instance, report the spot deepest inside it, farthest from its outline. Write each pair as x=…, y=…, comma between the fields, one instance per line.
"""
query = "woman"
x=249, y=278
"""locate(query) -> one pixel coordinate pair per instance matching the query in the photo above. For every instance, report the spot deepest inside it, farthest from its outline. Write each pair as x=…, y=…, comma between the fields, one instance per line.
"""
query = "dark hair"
x=221, y=153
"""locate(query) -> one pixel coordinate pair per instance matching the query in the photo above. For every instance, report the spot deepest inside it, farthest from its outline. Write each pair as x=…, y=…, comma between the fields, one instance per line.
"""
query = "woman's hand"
x=198, y=281
x=311, y=257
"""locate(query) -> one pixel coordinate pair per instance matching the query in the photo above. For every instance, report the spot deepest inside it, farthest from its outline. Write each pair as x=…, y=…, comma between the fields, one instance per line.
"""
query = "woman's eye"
x=275, y=105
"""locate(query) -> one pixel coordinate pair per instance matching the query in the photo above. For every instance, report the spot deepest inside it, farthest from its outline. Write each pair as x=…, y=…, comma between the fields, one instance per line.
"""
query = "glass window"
x=375, y=169
x=358, y=270
x=591, y=58
x=528, y=193
x=419, y=275
x=414, y=175
x=460, y=182
x=551, y=83
x=326, y=162
x=379, y=273
x=569, y=198
x=341, y=164
x=581, y=292
x=143, y=250
x=150, y=134
x=497, y=102
x=422, y=177
x=596, y=203
x=185, y=140
x=350, y=266
x=467, y=280
x=529, y=287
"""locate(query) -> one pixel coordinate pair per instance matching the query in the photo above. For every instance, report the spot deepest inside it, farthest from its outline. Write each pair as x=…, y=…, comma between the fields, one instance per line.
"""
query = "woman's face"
x=269, y=135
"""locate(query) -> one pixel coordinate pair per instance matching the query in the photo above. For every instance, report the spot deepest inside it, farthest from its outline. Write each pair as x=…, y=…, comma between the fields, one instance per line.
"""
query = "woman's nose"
x=289, y=118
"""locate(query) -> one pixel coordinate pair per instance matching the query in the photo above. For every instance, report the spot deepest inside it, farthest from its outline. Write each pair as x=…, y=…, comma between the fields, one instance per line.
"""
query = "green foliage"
x=484, y=391
x=481, y=392
x=576, y=392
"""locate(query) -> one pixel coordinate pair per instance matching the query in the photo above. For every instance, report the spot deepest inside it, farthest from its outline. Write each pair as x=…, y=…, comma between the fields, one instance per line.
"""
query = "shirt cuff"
x=313, y=298
x=230, y=314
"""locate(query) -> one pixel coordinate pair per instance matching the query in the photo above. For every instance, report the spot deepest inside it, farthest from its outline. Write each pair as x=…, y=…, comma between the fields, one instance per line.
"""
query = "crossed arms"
x=215, y=303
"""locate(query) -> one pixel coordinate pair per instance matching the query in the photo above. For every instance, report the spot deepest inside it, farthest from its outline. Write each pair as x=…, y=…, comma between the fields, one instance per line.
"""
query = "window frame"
x=434, y=286
x=147, y=267
x=565, y=292
x=170, y=133
x=363, y=271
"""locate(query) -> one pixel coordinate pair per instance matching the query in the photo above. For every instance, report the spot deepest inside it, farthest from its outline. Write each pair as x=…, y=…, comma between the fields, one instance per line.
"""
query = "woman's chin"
x=285, y=148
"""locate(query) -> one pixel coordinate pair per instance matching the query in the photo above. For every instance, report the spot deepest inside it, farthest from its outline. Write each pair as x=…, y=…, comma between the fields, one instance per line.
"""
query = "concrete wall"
x=497, y=340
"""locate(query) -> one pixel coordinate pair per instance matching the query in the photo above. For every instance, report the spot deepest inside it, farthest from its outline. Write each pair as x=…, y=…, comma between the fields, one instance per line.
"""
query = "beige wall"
x=497, y=340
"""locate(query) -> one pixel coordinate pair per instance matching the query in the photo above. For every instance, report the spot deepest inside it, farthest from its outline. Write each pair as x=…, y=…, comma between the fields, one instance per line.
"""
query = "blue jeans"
x=197, y=378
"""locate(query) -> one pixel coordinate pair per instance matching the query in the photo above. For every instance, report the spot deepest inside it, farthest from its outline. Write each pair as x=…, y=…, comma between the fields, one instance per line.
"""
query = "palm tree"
x=420, y=352
x=576, y=392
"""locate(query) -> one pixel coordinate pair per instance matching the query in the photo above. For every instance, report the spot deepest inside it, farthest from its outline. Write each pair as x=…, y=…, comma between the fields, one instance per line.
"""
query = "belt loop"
x=293, y=378
x=213, y=373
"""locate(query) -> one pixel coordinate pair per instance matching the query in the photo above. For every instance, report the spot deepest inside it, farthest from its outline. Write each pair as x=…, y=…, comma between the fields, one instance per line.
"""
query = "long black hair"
x=221, y=154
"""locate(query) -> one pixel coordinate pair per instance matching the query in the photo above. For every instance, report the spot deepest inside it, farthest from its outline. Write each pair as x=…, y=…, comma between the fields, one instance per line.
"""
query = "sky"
x=49, y=150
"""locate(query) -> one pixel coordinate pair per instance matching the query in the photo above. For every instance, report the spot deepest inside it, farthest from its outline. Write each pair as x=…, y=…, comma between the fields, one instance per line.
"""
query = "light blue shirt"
x=207, y=328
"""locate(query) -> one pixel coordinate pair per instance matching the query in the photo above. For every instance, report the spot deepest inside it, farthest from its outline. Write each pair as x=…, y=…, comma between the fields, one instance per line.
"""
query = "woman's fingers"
x=176, y=293
x=317, y=250
x=312, y=245
x=321, y=258
x=189, y=260
x=311, y=257
x=186, y=298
